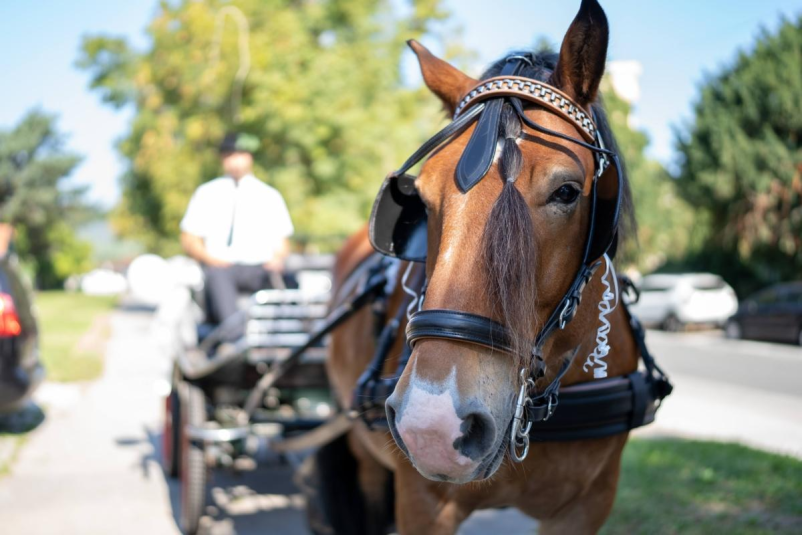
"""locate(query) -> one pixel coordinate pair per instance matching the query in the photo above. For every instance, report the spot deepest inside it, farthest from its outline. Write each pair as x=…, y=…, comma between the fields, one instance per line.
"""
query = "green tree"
x=742, y=162
x=666, y=223
x=35, y=200
x=324, y=94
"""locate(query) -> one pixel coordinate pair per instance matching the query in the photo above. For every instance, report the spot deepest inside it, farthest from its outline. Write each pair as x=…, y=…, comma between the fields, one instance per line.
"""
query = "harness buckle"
x=552, y=406
x=519, y=434
x=567, y=313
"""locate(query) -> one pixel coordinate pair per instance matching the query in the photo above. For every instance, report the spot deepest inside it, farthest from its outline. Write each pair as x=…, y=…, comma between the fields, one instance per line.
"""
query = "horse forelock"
x=508, y=245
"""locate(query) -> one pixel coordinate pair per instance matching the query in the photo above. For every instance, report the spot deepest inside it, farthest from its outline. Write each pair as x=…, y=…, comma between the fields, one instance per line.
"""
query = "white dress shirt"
x=240, y=222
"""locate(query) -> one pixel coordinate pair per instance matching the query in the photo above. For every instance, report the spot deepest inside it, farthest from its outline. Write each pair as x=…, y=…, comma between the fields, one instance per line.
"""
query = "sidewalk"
x=90, y=467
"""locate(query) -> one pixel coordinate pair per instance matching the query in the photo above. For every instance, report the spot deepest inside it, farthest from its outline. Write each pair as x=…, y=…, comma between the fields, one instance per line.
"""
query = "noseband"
x=483, y=105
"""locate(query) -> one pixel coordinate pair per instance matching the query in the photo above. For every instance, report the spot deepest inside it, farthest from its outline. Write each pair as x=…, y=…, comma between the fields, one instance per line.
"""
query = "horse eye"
x=565, y=194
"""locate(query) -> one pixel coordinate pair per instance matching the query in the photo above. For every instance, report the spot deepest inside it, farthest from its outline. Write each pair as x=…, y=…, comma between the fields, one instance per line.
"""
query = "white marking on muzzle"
x=429, y=425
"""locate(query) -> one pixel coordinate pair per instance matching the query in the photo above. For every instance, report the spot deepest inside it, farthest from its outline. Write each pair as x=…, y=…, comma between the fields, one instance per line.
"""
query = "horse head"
x=505, y=246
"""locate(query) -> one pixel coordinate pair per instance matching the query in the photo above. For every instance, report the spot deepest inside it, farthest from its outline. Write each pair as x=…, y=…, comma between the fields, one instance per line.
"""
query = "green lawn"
x=72, y=334
x=690, y=487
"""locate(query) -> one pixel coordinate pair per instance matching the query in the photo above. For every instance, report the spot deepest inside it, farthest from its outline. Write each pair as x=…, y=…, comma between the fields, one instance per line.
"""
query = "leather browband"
x=532, y=91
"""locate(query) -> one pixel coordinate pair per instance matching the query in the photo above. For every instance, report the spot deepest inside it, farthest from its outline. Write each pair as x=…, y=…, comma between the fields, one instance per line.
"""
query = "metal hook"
x=519, y=435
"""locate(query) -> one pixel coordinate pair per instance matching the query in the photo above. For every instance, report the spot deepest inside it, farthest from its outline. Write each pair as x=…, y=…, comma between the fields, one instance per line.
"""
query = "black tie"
x=233, y=214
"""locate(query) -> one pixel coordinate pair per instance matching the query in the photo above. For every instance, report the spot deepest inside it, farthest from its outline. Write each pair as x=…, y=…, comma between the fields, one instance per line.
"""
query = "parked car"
x=673, y=301
x=20, y=369
x=774, y=313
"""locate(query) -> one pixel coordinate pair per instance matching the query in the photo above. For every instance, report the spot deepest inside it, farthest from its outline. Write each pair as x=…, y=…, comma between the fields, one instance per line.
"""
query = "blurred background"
x=110, y=118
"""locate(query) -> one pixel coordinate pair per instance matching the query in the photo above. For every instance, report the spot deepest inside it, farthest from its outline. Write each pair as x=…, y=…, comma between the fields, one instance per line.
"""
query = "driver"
x=237, y=227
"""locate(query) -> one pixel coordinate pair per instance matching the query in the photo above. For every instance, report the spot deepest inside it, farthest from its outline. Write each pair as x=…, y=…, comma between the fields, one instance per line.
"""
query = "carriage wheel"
x=193, y=464
x=171, y=435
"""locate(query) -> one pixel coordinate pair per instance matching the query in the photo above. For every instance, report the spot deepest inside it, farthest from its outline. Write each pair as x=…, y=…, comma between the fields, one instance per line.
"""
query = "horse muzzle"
x=445, y=441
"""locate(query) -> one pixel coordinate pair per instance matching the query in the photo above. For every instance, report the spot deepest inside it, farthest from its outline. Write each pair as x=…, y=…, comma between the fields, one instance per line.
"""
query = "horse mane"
x=508, y=244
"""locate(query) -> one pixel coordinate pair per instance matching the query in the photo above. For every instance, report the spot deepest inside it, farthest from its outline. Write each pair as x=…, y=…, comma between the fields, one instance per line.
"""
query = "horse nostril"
x=478, y=436
x=391, y=423
x=390, y=414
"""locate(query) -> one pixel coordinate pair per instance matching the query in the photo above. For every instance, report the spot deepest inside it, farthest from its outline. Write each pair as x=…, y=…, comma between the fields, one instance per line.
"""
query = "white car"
x=672, y=301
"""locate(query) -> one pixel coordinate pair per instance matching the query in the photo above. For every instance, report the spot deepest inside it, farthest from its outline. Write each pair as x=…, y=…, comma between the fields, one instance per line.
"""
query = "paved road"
x=773, y=368
x=743, y=391
x=92, y=467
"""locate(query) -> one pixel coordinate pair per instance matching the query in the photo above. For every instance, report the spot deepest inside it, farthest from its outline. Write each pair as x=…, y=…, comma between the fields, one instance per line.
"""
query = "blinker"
x=398, y=223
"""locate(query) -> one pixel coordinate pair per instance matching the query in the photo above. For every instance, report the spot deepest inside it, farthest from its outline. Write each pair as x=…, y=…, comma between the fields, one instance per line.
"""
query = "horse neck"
x=583, y=332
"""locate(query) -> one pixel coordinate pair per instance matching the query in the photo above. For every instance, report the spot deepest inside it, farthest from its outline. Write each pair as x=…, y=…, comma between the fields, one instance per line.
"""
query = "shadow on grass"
x=692, y=487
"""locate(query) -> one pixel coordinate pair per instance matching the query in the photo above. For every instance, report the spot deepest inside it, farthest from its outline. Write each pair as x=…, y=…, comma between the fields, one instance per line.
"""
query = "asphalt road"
x=92, y=466
x=733, y=390
x=768, y=367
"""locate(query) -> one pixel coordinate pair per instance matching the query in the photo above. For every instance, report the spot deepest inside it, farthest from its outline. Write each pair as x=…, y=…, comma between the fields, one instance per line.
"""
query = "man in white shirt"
x=237, y=227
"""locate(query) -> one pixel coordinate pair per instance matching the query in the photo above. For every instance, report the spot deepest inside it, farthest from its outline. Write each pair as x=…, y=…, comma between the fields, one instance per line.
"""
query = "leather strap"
x=458, y=326
x=481, y=148
x=480, y=151
x=449, y=131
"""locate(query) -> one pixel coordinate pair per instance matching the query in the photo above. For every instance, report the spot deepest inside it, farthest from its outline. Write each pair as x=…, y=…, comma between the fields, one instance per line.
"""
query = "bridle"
x=398, y=227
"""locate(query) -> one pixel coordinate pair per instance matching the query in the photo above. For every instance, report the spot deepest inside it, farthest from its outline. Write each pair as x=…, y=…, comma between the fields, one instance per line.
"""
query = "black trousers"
x=224, y=284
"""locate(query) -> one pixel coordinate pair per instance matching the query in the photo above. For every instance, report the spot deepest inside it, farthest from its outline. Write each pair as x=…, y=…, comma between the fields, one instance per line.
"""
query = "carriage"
x=229, y=402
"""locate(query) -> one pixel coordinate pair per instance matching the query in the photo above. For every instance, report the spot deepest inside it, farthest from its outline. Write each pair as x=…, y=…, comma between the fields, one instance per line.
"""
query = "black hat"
x=238, y=142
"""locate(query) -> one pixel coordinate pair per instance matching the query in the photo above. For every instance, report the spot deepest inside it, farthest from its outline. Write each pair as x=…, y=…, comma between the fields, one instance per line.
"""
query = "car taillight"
x=9, y=320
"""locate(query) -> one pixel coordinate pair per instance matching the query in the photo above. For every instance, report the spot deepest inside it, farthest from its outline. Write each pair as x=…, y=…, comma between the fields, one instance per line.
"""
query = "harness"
x=398, y=229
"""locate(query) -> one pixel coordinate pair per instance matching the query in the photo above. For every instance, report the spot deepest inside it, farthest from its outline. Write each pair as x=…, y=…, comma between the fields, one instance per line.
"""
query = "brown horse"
x=510, y=261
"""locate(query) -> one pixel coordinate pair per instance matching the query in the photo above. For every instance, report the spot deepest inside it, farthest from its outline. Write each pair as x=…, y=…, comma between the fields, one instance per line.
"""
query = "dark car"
x=20, y=369
x=774, y=313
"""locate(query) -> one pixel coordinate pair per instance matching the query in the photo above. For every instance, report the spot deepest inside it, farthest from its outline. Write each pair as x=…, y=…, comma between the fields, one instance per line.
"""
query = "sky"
x=678, y=44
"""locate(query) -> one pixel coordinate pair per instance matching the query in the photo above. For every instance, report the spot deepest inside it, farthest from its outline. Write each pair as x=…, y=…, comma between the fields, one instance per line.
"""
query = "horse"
x=504, y=248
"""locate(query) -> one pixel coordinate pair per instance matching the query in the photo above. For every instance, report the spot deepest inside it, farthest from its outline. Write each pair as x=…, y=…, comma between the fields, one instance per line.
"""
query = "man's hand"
x=277, y=262
x=195, y=248
x=216, y=262
x=274, y=265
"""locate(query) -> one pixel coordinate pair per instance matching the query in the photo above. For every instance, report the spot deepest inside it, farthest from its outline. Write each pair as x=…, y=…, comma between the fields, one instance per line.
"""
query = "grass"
x=690, y=487
x=9, y=449
x=72, y=334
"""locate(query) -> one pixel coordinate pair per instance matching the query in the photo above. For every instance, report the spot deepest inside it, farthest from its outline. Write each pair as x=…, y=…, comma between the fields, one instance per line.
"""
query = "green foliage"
x=742, y=162
x=673, y=486
x=665, y=221
x=35, y=200
x=69, y=255
x=324, y=95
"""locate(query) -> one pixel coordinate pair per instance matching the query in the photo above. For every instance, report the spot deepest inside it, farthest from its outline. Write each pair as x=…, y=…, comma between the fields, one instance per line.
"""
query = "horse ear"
x=443, y=79
x=583, y=54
